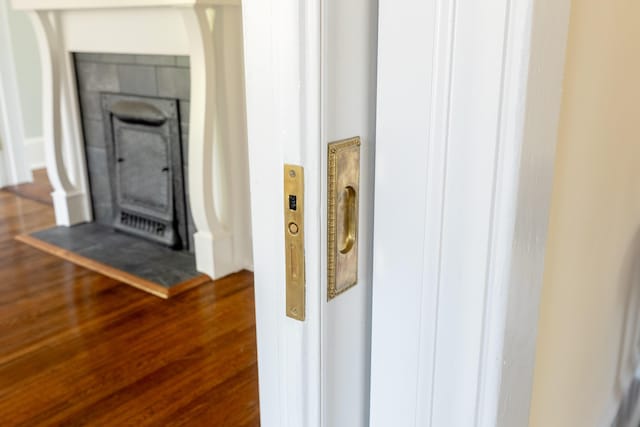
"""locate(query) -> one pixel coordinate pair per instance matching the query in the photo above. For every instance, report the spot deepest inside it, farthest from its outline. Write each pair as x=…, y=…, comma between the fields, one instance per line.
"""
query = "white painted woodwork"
x=534, y=64
x=13, y=161
x=349, y=52
x=107, y=4
x=147, y=25
x=282, y=57
x=210, y=32
x=468, y=103
x=71, y=204
x=310, y=68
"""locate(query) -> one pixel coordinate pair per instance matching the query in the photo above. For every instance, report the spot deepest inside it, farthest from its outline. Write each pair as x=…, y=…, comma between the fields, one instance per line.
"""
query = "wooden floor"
x=39, y=190
x=78, y=348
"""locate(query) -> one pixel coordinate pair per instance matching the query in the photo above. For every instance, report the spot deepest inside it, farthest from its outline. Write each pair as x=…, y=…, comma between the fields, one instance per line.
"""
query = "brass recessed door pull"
x=343, y=176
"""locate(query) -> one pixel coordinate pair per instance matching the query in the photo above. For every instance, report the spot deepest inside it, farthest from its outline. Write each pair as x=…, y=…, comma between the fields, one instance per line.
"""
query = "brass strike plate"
x=294, y=240
x=343, y=176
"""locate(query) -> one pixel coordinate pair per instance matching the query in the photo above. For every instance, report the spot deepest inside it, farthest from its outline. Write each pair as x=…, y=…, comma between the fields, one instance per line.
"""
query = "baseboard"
x=34, y=152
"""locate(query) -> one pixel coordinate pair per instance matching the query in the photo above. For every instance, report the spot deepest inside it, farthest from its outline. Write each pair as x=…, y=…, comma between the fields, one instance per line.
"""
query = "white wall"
x=14, y=165
x=593, y=252
x=3, y=172
x=26, y=61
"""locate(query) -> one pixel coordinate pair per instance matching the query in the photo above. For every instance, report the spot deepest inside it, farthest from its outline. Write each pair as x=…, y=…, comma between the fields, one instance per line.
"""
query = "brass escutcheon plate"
x=343, y=197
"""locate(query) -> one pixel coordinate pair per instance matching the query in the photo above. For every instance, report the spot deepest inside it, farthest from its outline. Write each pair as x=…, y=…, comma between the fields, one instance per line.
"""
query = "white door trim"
x=310, y=67
x=15, y=165
x=468, y=106
x=282, y=54
x=535, y=89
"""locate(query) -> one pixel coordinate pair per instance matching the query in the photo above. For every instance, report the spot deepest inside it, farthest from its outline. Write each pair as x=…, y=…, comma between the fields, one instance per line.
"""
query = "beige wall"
x=593, y=244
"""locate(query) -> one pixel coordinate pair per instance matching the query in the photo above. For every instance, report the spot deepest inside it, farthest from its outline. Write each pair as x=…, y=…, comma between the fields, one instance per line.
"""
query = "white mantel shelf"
x=210, y=33
x=113, y=4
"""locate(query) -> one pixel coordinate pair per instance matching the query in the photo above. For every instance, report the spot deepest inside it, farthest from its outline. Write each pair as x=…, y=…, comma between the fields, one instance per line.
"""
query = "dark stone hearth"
x=123, y=252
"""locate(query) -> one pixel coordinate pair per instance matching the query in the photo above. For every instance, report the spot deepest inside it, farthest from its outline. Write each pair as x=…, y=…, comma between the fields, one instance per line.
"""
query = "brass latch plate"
x=294, y=240
x=343, y=194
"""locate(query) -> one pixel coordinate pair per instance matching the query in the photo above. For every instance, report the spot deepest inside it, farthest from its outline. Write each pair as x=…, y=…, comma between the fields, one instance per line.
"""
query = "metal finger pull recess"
x=343, y=176
x=294, y=240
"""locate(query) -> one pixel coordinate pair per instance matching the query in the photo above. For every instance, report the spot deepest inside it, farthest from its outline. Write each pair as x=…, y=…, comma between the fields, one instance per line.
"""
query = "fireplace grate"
x=141, y=223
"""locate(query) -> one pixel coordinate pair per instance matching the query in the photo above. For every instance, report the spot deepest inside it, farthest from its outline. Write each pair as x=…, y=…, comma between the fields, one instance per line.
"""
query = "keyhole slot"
x=347, y=219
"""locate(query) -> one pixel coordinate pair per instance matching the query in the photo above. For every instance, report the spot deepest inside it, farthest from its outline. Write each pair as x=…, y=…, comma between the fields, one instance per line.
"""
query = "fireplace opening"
x=135, y=111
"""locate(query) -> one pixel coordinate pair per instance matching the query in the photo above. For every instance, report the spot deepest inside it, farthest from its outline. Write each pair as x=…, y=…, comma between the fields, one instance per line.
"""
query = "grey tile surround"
x=143, y=75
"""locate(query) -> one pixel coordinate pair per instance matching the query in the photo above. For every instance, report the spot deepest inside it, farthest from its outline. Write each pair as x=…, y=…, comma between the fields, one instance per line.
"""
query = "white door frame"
x=12, y=152
x=468, y=107
x=310, y=79
x=464, y=168
x=282, y=51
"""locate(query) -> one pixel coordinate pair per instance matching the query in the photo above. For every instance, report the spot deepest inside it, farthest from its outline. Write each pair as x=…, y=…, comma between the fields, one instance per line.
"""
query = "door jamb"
x=511, y=336
x=282, y=69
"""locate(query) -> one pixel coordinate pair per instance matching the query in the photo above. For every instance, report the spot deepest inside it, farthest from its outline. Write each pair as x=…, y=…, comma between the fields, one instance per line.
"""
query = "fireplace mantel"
x=111, y=4
x=210, y=33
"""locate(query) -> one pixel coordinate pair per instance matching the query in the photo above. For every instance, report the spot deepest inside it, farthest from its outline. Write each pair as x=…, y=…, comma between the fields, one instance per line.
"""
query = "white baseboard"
x=34, y=151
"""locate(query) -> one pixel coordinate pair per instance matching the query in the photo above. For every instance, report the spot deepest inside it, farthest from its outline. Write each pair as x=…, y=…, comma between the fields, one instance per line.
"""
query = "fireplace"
x=133, y=110
x=188, y=52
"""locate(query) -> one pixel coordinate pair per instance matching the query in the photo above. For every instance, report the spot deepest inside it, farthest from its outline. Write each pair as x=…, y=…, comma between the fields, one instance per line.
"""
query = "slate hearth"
x=146, y=265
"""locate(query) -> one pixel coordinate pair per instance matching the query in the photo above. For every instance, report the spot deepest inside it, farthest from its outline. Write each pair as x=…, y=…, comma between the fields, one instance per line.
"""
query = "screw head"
x=293, y=228
x=292, y=173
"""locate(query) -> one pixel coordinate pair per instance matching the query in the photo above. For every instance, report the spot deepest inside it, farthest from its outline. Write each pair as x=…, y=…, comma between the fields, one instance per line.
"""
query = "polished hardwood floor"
x=39, y=190
x=78, y=348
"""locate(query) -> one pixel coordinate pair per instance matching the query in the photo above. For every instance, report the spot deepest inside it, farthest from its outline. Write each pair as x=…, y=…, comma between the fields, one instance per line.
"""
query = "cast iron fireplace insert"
x=145, y=165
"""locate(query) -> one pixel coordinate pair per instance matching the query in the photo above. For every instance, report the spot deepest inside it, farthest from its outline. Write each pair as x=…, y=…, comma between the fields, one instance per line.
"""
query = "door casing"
x=468, y=97
x=310, y=79
x=468, y=107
